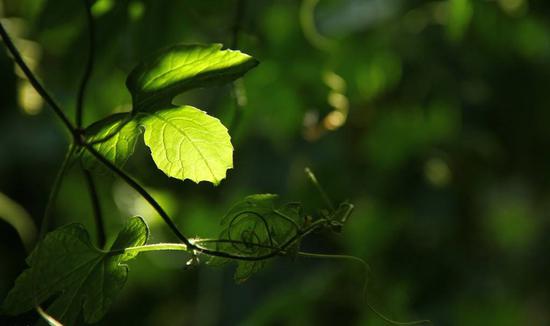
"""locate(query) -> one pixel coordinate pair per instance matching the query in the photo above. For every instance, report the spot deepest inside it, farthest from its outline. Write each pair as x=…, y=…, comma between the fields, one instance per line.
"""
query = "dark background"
x=430, y=116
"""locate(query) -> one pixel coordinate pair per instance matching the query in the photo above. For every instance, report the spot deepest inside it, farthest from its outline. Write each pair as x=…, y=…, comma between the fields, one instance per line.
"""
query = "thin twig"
x=89, y=64
x=34, y=82
x=47, y=317
x=96, y=206
x=367, y=273
x=319, y=188
x=237, y=22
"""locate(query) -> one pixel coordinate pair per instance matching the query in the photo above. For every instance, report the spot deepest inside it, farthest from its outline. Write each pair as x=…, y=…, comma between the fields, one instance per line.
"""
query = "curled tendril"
x=250, y=233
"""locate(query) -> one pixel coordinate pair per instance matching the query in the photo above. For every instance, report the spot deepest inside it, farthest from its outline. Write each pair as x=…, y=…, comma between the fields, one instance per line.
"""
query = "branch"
x=98, y=217
x=319, y=188
x=367, y=272
x=237, y=22
x=89, y=64
x=34, y=82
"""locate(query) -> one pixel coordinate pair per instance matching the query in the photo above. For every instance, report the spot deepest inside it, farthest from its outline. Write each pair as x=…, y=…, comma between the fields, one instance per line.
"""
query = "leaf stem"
x=317, y=185
x=276, y=250
x=96, y=207
x=154, y=247
x=47, y=318
x=89, y=64
x=237, y=22
x=367, y=273
x=55, y=190
x=35, y=83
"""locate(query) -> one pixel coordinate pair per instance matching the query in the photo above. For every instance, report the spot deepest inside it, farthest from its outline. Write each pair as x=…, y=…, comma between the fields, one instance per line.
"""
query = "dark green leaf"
x=182, y=67
x=81, y=277
x=256, y=227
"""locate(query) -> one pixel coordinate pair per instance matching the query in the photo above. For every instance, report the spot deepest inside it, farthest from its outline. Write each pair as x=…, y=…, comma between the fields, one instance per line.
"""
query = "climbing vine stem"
x=89, y=64
x=34, y=81
x=96, y=207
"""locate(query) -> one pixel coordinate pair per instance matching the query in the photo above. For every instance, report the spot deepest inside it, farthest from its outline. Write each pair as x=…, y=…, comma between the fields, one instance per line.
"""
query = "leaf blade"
x=182, y=67
x=83, y=278
x=114, y=137
x=187, y=143
x=255, y=227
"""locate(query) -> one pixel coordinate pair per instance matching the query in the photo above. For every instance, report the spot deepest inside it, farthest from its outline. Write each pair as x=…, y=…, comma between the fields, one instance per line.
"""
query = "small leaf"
x=182, y=67
x=256, y=227
x=187, y=143
x=114, y=137
x=66, y=265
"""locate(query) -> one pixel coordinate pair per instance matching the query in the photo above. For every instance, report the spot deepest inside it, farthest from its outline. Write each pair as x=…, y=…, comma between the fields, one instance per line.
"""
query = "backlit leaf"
x=182, y=67
x=187, y=143
x=114, y=137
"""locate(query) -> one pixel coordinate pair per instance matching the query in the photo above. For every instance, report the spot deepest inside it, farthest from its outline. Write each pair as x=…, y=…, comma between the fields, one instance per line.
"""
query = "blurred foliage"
x=440, y=138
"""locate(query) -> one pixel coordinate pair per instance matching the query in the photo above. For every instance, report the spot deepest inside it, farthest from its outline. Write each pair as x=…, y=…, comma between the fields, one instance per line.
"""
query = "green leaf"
x=259, y=228
x=182, y=67
x=114, y=137
x=187, y=143
x=81, y=277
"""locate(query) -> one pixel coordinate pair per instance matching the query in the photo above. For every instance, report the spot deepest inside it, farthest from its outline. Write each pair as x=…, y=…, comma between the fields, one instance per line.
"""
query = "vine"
x=66, y=265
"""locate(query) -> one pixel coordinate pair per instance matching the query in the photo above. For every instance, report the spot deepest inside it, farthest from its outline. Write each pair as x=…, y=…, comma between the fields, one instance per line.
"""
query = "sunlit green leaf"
x=114, y=137
x=256, y=227
x=174, y=70
x=187, y=143
x=81, y=277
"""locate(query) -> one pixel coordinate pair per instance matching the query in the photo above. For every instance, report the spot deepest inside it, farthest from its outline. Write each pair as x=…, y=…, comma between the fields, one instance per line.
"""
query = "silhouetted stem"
x=319, y=188
x=96, y=207
x=367, y=273
x=89, y=64
x=34, y=82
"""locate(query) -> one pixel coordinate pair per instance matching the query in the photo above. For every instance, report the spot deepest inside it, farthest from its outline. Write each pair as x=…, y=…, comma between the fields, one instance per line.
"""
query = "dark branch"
x=98, y=217
x=89, y=64
x=34, y=82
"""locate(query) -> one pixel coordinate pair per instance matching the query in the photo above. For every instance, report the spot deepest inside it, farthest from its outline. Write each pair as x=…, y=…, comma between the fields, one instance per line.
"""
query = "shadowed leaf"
x=256, y=227
x=66, y=265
